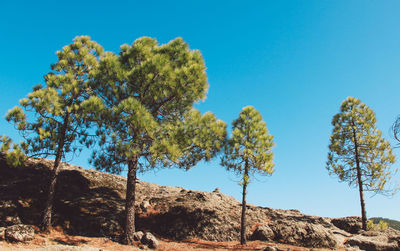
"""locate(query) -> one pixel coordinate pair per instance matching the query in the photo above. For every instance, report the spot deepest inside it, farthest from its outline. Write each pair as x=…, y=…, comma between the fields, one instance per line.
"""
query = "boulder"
x=263, y=233
x=137, y=236
x=145, y=204
x=303, y=234
x=149, y=240
x=217, y=190
x=350, y=224
x=19, y=233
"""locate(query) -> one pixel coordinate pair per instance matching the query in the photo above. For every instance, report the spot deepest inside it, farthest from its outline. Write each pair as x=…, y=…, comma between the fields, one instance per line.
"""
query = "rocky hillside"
x=91, y=203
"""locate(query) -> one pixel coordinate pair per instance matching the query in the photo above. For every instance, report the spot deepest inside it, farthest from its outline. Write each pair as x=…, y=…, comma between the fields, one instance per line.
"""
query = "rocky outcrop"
x=19, y=233
x=91, y=203
x=387, y=240
x=294, y=232
x=351, y=225
x=309, y=234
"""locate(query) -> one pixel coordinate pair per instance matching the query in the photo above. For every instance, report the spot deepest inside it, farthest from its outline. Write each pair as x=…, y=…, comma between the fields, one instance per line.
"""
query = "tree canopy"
x=250, y=144
x=58, y=108
x=148, y=120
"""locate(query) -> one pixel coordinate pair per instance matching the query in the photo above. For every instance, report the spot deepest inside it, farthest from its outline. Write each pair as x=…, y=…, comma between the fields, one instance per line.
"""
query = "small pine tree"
x=357, y=152
x=59, y=110
x=248, y=151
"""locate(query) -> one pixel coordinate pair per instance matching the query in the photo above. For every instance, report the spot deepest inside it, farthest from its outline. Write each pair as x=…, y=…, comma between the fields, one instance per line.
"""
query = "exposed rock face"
x=351, y=224
x=388, y=240
x=19, y=233
x=293, y=232
x=310, y=234
x=91, y=203
x=374, y=244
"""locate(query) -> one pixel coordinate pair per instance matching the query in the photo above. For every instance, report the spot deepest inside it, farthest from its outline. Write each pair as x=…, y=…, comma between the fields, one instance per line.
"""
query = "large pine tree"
x=248, y=151
x=57, y=122
x=358, y=154
x=149, y=121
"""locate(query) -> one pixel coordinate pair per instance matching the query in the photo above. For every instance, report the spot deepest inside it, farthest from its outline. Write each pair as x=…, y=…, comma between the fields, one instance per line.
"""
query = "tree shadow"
x=80, y=207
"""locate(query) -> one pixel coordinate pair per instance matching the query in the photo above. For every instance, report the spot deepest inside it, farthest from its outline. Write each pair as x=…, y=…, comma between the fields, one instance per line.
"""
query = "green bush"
x=382, y=225
x=371, y=226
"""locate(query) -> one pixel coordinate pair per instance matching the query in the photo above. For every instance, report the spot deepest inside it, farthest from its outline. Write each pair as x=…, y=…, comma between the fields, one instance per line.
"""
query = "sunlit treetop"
x=250, y=144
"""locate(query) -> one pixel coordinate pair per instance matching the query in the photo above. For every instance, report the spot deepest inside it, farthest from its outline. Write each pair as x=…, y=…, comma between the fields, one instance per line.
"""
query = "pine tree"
x=357, y=152
x=149, y=120
x=58, y=122
x=248, y=151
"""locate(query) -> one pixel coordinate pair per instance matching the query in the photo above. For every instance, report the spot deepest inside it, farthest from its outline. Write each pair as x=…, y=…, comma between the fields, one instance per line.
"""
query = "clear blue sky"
x=294, y=61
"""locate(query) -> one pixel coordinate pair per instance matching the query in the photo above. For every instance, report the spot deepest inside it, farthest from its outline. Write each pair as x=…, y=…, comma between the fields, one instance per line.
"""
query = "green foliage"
x=149, y=91
x=371, y=226
x=185, y=142
x=59, y=107
x=381, y=225
x=13, y=152
x=391, y=223
x=249, y=146
x=355, y=140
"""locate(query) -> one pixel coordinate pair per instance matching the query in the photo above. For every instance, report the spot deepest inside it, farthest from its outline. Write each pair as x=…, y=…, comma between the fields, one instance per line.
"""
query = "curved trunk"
x=243, y=219
x=130, y=202
x=47, y=213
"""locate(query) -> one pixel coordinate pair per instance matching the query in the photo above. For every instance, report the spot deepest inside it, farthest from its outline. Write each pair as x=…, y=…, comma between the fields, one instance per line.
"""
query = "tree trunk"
x=360, y=183
x=243, y=219
x=363, y=211
x=130, y=202
x=47, y=214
